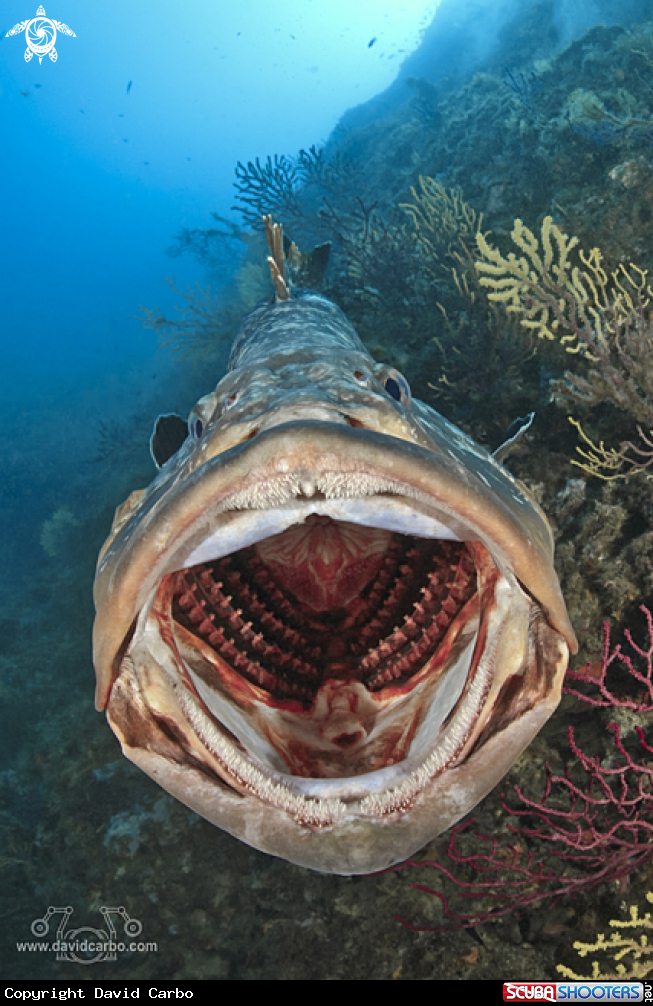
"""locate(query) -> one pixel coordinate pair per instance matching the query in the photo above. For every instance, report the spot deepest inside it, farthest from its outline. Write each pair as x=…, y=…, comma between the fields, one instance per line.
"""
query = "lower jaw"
x=230, y=753
x=161, y=734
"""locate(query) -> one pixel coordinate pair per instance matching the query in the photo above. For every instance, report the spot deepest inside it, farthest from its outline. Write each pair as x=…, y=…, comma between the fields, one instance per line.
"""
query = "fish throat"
x=327, y=600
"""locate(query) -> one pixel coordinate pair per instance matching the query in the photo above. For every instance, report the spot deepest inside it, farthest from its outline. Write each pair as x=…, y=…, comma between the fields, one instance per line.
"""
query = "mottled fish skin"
x=303, y=419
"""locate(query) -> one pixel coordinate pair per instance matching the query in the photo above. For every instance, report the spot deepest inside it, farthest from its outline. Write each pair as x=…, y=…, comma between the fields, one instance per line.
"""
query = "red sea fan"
x=592, y=825
x=608, y=700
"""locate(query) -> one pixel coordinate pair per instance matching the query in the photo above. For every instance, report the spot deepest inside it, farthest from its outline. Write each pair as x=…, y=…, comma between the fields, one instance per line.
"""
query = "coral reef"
x=526, y=86
x=562, y=292
x=445, y=228
x=587, y=310
x=593, y=823
x=411, y=285
x=589, y=117
x=604, y=552
x=635, y=949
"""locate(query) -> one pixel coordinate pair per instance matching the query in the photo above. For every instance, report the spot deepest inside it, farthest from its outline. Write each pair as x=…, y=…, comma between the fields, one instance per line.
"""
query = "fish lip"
x=138, y=554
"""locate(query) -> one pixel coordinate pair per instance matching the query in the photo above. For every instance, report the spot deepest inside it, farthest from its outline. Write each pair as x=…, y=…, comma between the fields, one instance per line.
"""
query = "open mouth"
x=346, y=663
x=331, y=639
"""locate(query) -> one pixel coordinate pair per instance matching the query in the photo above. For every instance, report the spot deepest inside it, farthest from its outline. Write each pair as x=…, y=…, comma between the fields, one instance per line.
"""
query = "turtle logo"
x=40, y=35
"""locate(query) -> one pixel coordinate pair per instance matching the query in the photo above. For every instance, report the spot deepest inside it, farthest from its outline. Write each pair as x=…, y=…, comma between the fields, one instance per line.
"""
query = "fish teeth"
x=308, y=487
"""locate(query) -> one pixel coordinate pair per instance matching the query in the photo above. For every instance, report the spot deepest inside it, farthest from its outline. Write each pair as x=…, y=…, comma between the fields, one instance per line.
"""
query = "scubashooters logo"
x=86, y=945
x=40, y=35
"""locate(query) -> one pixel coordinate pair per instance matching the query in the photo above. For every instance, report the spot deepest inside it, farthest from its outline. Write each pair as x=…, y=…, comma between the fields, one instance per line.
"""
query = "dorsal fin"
x=306, y=270
x=287, y=264
x=274, y=237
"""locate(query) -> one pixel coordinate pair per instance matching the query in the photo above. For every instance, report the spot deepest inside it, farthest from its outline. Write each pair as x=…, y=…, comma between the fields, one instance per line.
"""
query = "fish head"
x=332, y=622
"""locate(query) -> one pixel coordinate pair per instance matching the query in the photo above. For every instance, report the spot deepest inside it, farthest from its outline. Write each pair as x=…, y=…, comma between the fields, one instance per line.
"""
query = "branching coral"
x=203, y=323
x=444, y=227
x=271, y=187
x=580, y=305
x=527, y=88
x=124, y=441
x=611, y=463
x=370, y=244
x=562, y=292
x=636, y=950
x=592, y=825
x=291, y=189
x=412, y=275
x=288, y=187
x=590, y=118
x=436, y=241
x=219, y=248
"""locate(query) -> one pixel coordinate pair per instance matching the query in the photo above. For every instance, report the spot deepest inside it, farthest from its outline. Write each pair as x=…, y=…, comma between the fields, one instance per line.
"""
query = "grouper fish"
x=332, y=622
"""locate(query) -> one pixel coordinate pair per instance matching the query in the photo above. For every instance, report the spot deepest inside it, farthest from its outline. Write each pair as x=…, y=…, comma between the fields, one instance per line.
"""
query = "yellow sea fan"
x=634, y=950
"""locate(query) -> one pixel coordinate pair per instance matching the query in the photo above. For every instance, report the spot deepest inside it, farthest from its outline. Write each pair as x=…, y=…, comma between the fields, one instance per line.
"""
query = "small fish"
x=371, y=42
x=129, y=86
x=332, y=622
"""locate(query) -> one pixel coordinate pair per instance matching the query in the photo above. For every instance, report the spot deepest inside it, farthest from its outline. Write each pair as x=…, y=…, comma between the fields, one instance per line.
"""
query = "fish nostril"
x=393, y=389
x=398, y=387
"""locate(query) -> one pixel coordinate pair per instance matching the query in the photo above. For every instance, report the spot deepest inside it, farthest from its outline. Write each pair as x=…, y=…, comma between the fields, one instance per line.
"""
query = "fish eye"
x=361, y=376
x=230, y=400
x=398, y=388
